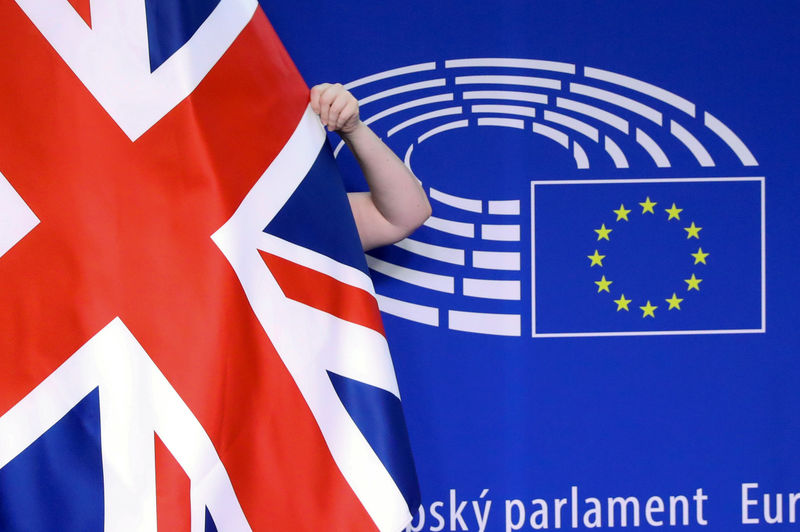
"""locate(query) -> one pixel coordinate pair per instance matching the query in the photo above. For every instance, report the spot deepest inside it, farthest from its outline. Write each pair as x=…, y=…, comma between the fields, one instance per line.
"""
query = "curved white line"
x=527, y=81
x=520, y=110
x=402, y=89
x=407, y=158
x=440, y=253
x=691, y=142
x=502, y=122
x=501, y=232
x=598, y=114
x=465, y=204
x=619, y=101
x=620, y=161
x=485, y=323
x=532, y=97
x=573, y=123
x=451, y=226
x=408, y=311
x=338, y=149
x=504, y=207
x=551, y=133
x=580, y=156
x=423, y=117
x=421, y=67
x=492, y=289
x=445, y=127
x=535, y=64
x=655, y=151
x=640, y=86
x=432, y=281
x=730, y=138
x=496, y=260
x=409, y=105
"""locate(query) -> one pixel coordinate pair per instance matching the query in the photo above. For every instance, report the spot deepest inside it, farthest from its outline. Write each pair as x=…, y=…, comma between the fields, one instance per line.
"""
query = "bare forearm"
x=396, y=203
x=395, y=190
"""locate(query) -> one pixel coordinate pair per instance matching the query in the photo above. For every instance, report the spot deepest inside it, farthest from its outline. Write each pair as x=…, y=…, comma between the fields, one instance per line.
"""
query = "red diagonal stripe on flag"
x=324, y=293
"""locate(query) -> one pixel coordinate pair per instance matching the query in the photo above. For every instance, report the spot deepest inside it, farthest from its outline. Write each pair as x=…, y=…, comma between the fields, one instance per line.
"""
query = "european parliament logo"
x=567, y=201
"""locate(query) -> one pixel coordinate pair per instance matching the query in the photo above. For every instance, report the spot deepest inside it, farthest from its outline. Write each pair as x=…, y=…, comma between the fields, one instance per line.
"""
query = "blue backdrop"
x=559, y=342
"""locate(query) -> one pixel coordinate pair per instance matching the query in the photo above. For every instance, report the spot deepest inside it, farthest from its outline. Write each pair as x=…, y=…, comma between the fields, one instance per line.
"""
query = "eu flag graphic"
x=648, y=256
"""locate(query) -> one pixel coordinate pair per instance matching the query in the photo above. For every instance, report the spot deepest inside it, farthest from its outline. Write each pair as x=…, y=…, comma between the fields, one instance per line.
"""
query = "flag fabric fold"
x=161, y=366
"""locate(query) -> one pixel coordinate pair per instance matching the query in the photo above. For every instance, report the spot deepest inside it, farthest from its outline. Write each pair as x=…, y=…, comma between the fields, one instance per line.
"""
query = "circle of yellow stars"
x=673, y=302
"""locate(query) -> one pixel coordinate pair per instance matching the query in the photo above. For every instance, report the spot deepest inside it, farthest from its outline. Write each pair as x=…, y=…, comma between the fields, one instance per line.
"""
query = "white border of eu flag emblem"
x=763, y=327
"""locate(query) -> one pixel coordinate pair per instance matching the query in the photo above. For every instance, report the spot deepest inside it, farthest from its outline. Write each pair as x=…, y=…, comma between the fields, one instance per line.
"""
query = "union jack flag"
x=189, y=339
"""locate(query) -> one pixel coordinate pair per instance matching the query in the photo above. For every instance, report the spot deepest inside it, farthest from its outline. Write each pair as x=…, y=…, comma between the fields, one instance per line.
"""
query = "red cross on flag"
x=189, y=339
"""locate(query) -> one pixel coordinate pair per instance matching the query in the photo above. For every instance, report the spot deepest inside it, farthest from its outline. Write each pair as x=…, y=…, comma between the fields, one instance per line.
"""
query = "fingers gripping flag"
x=189, y=338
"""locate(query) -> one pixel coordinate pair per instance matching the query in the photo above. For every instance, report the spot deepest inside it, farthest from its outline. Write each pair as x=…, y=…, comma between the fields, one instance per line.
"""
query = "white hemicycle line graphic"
x=691, y=142
x=643, y=87
x=16, y=218
x=731, y=139
x=402, y=89
x=620, y=161
x=650, y=146
x=504, y=207
x=111, y=58
x=496, y=260
x=505, y=109
x=580, y=156
x=533, y=64
x=451, y=226
x=441, y=129
x=440, y=253
x=598, y=114
x=432, y=281
x=616, y=99
x=502, y=122
x=526, y=81
x=552, y=134
x=573, y=123
x=136, y=402
x=622, y=118
x=505, y=95
x=492, y=289
x=485, y=323
x=466, y=204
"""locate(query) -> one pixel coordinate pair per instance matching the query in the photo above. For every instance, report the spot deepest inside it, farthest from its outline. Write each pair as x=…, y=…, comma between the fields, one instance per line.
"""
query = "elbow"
x=412, y=221
x=421, y=215
x=424, y=213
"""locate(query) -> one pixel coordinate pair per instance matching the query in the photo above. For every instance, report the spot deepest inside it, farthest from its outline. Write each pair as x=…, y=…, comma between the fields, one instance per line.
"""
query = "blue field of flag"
x=648, y=256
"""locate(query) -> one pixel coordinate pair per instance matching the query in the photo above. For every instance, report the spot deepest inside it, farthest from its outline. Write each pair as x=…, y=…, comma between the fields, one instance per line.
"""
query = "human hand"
x=336, y=107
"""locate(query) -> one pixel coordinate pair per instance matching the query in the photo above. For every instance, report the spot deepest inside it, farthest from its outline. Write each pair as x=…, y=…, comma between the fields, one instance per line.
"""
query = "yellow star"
x=602, y=284
x=674, y=212
x=693, y=231
x=622, y=303
x=694, y=282
x=602, y=233
x=647, y=205
x=648, y=310
x=674, y=302
x=699, y=256
x=622, y=212
x=597, y=259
